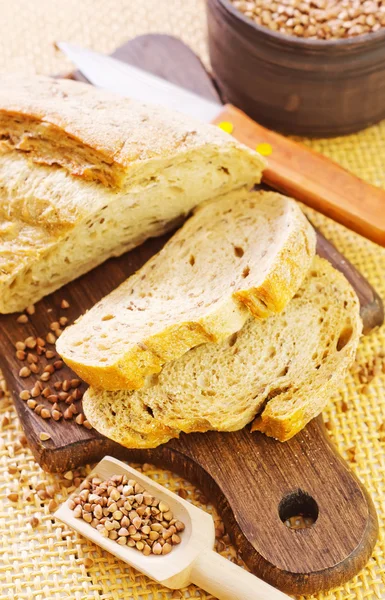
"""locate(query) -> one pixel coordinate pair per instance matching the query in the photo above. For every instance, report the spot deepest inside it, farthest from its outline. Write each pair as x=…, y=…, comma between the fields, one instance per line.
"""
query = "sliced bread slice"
x=284, y=368
x=244, y=252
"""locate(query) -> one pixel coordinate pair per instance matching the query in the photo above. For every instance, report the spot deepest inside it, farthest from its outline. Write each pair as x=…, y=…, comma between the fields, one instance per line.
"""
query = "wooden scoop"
x=192, y=561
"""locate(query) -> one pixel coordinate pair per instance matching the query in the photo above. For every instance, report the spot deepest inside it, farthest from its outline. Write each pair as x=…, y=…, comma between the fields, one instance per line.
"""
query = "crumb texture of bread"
x=86, y=175
x=283, y=369
x=240, y=254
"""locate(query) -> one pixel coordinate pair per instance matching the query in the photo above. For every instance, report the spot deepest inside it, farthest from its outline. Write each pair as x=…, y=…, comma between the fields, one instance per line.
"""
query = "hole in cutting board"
x=298, y=510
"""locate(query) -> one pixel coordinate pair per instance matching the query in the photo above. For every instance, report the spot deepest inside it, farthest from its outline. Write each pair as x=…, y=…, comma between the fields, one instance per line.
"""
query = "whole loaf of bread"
x=86, y=175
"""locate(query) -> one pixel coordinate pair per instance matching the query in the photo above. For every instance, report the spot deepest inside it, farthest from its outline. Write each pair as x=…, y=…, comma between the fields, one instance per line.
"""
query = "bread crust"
x=94, y=134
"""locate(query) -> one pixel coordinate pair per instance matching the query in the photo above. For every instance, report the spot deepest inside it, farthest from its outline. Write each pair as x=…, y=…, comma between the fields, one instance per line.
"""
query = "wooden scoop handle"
x=313, y=179
x=227, y=581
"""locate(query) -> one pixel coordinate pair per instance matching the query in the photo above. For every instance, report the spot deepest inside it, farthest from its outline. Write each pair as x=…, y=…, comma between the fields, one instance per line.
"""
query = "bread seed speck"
x=51, y=339
x=31, y=403
x=24, y=395
x=20, y=346
x=20, y=355
x=64, y=304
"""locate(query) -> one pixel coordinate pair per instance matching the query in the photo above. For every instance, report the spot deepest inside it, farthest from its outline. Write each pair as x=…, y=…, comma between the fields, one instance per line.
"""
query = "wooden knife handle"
x=313, y=179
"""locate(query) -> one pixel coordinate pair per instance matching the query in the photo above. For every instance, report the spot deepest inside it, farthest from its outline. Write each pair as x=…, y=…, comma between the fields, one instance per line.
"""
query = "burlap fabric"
x=40, y=559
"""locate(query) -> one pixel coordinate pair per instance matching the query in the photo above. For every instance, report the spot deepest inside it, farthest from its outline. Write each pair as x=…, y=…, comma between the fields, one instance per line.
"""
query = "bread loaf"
x=85, y=175
x=240, y=254
x=284, y=369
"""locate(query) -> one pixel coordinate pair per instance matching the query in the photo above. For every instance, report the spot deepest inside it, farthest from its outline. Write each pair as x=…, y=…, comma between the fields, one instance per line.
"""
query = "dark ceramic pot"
x=300, y=86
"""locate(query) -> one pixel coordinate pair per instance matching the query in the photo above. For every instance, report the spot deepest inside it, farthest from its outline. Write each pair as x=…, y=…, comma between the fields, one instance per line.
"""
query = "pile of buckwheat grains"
x=40, y=364
x=316, y=19
x=122, y=510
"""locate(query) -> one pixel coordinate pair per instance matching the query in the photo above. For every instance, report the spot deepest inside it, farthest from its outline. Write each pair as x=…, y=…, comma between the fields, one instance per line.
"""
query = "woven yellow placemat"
x=39, y=558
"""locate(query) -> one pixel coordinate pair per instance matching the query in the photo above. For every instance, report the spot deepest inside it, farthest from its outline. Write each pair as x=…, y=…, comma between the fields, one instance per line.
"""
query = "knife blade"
x=292, y=168
x=119, y=77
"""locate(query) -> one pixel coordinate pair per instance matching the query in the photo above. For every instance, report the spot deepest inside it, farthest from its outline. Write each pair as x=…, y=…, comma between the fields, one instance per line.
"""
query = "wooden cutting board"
x=255, y=482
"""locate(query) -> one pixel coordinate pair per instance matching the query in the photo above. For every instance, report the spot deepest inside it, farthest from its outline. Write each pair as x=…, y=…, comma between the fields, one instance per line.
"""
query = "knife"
x=292, y=168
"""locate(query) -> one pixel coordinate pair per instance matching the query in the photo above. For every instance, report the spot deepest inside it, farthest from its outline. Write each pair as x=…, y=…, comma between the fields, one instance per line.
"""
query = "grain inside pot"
x=122, y=510
x=316, y=19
